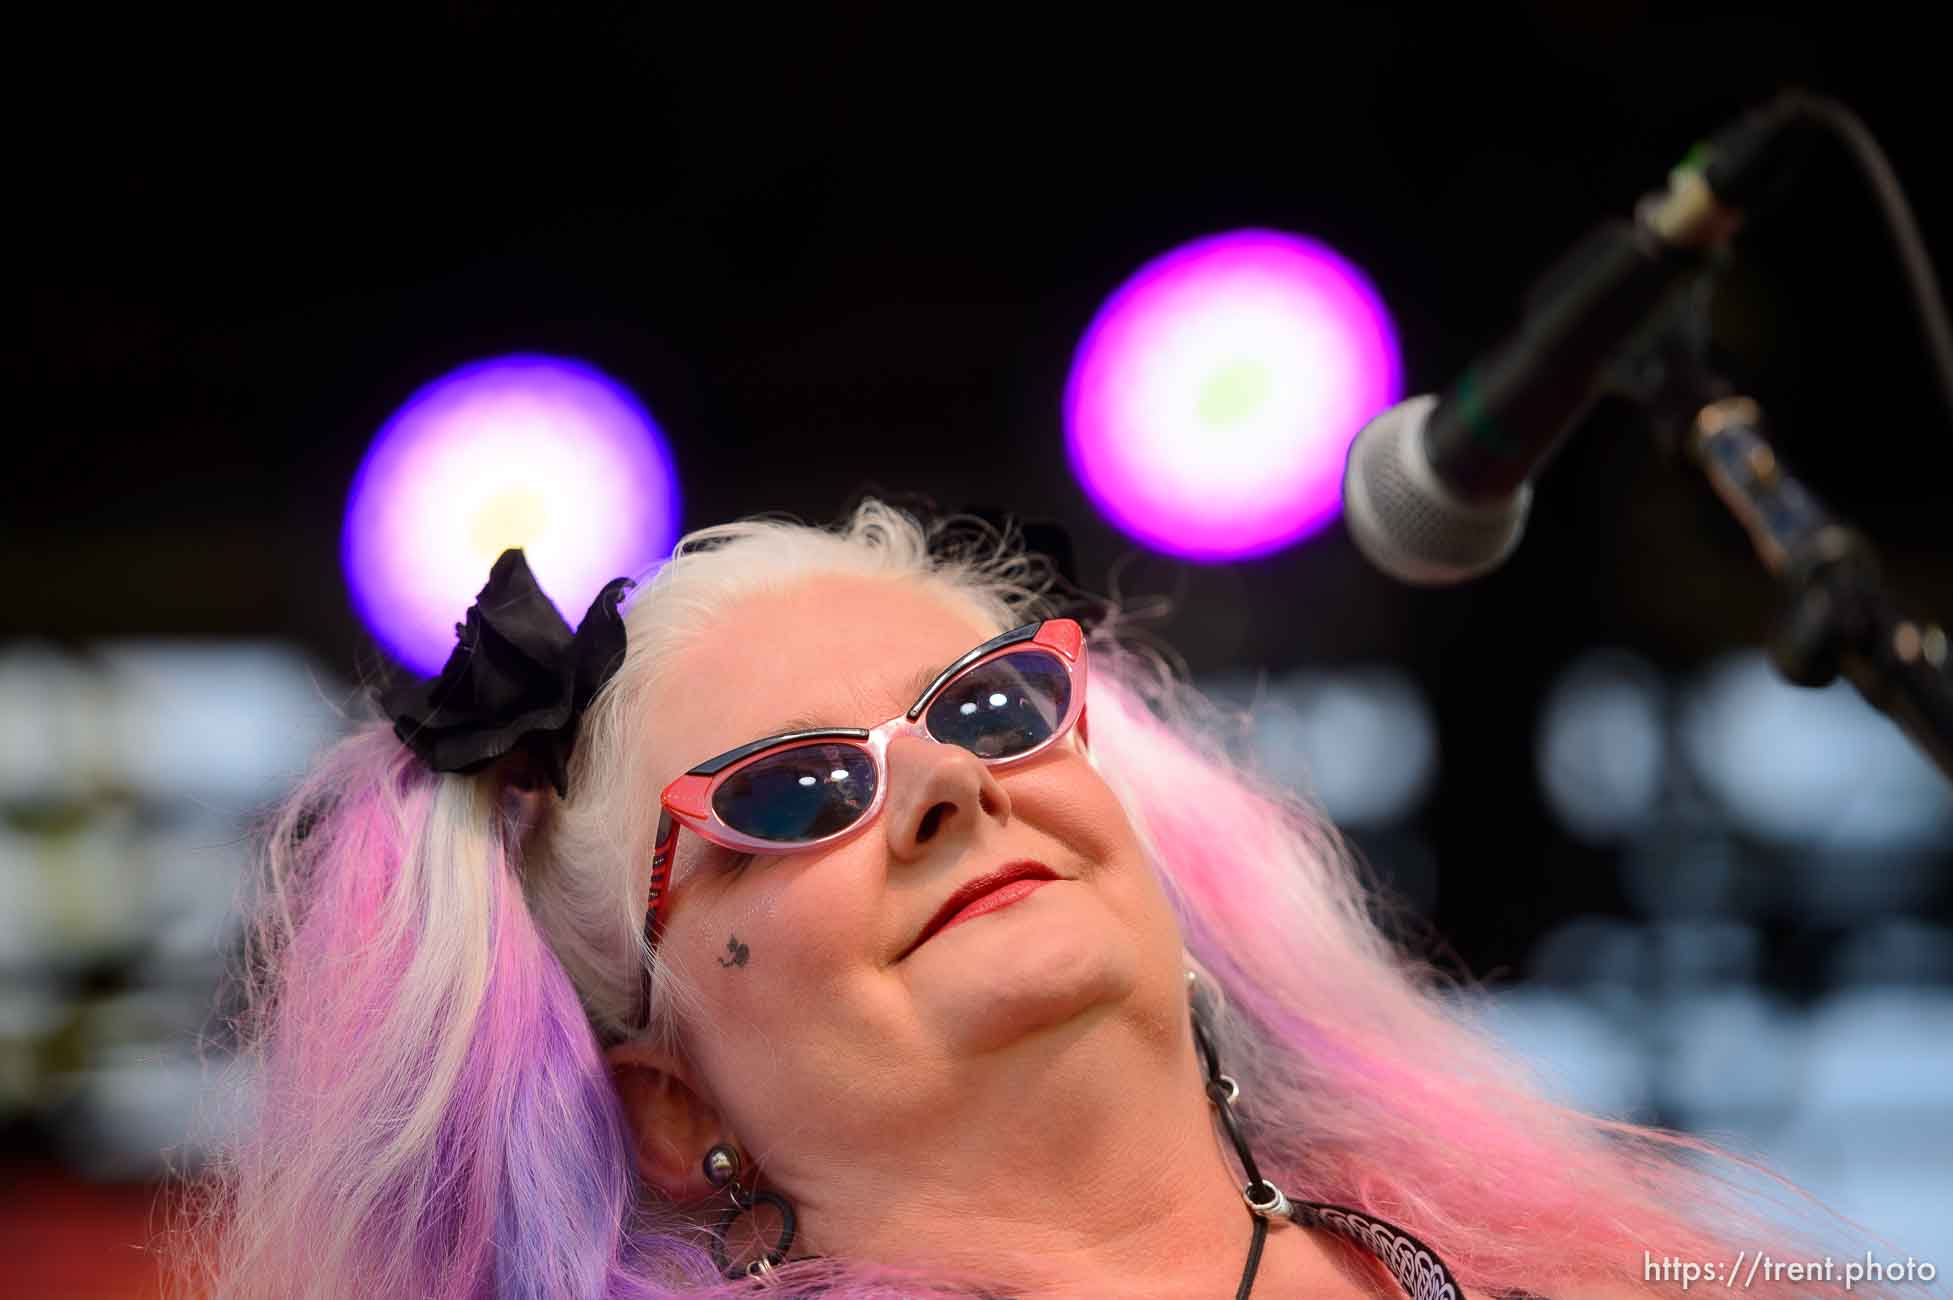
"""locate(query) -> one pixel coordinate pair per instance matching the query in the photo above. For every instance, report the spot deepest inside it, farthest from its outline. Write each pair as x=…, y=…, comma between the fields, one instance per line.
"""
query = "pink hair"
x=1364, y=1083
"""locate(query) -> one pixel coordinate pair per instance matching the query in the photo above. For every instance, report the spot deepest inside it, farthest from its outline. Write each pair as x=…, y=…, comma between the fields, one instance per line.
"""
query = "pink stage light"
x=1213, y=399
x=530, y=451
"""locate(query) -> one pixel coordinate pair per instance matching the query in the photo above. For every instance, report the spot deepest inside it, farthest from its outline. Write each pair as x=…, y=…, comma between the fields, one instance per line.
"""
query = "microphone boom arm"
x=1840, y=620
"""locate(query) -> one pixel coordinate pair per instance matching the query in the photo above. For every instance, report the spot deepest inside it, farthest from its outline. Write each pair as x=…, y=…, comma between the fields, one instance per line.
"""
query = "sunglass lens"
x=1005, y=707
x=800, y=794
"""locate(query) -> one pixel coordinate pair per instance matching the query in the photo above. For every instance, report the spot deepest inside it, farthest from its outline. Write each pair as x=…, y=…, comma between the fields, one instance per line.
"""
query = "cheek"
x=1070, y=801
x=792, y=1021
x=778, y=929
x=741, y=953
x=1073, y=804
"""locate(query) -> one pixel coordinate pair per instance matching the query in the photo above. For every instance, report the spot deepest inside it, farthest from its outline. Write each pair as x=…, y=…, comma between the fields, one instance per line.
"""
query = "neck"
x=1066, y=1177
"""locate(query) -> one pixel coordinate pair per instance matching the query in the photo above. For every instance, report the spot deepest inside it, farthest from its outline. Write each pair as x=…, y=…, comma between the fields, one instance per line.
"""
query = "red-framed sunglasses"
x=1005, y=701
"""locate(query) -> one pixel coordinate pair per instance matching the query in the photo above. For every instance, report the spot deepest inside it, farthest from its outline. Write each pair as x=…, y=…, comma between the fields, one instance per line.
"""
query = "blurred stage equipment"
x=1436, y=489
x=1211, y=401
x=534, y=452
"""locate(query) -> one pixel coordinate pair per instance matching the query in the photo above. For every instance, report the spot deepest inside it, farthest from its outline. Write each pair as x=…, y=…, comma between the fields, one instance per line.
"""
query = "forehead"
x=844, y=651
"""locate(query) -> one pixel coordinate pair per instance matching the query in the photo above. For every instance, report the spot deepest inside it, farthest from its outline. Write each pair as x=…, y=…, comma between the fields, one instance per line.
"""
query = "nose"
x=936, y=790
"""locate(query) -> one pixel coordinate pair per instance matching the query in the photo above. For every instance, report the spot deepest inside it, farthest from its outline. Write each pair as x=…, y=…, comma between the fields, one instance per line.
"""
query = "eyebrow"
x=815, y=722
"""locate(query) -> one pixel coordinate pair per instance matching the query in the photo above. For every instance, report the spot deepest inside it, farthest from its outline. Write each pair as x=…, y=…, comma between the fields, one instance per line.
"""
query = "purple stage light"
x=1213, y=400
x=530, y=451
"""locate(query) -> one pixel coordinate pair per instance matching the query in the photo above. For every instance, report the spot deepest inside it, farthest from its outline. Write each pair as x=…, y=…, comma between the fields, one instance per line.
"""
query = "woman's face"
x=814, y=1038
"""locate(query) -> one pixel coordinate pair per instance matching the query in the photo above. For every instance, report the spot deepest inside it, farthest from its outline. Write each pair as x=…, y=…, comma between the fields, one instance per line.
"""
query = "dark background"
x=856, y=247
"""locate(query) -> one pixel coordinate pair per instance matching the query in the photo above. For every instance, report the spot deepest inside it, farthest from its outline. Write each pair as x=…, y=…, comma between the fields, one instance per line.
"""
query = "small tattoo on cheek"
x=740, y=952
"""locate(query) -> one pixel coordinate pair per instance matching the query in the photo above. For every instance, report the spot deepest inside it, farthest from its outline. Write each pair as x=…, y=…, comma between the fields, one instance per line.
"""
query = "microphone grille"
x=1406, y=522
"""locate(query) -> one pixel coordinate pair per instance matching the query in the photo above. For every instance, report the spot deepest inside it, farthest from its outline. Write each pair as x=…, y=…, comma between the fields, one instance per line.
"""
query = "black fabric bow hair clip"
x=517, y=679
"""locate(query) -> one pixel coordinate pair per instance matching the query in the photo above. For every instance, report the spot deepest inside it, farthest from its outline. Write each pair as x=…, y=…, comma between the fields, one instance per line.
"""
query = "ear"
x=673, y=1124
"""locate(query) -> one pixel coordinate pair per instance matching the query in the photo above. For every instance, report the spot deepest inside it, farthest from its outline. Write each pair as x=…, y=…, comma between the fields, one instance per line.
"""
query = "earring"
x=721, y=1165
x=722, y=1168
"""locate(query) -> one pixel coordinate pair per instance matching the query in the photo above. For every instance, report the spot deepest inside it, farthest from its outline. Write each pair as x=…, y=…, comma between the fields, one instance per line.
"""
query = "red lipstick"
x=1000, y=888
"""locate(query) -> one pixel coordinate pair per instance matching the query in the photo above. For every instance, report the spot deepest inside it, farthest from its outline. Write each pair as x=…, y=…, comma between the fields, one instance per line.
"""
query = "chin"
x=1010, y=988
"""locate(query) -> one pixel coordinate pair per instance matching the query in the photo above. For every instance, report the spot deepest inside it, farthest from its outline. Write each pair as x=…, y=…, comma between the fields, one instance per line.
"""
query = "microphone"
x=1436, y=489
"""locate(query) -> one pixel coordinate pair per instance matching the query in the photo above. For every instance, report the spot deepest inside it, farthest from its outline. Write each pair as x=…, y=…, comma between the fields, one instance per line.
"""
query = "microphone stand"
x=1838, y=617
